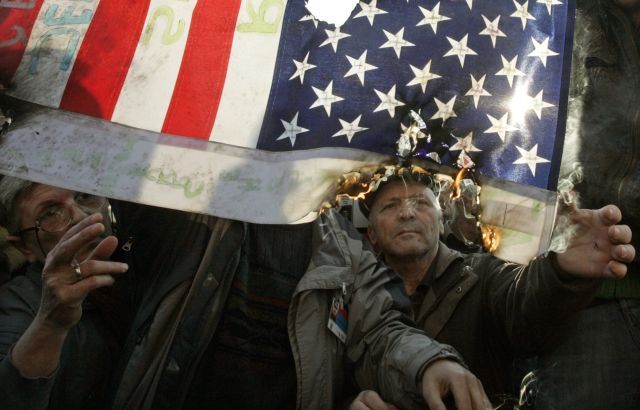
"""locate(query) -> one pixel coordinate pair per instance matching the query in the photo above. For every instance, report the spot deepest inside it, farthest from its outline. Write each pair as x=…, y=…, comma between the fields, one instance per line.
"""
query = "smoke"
x=568, y=197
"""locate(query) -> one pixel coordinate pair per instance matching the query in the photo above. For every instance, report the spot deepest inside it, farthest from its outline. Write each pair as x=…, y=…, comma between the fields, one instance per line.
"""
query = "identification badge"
x=339, y=319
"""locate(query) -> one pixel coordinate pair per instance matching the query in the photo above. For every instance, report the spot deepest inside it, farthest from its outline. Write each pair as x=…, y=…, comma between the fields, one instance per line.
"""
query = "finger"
x=358, y=405
x=487, y=403
x=65, y=250
x=104, y=249
x=580, y=216
x=460, y=391
x=73, y=294
x=615, y=269
x=96, y=267
x=432, y=396
x=479, y=398
x=88, y=284
x=89, y=220
x=623, y=253
x=372, y=400
x=610, y=214
x=620, y=234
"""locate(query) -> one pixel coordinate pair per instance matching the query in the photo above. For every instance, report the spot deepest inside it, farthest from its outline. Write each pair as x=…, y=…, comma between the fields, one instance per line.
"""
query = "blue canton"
x=494, y=74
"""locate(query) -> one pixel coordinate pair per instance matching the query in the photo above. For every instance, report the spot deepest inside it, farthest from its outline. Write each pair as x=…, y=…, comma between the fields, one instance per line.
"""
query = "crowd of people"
x=170, y=310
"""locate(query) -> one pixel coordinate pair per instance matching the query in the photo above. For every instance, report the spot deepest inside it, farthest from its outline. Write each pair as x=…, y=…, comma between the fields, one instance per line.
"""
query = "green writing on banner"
x=168, y=37
x=170, y=178
x=259, y=22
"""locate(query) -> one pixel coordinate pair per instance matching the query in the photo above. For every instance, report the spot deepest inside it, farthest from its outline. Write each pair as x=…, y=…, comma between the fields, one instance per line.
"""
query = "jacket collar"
x=444, y=258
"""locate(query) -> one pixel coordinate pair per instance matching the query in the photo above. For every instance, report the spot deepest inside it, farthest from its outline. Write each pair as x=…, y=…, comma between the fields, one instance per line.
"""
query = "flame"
x=455, y=188
x=360, y=196
x=353, y=186
x=490, y=237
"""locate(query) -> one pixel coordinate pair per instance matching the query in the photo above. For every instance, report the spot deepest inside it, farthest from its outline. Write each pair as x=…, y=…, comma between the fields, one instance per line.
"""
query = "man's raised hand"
x=66, y=281
x=601, y=247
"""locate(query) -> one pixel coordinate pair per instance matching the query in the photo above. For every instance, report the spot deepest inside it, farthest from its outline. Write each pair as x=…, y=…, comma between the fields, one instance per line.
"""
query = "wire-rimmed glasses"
x=57, y=218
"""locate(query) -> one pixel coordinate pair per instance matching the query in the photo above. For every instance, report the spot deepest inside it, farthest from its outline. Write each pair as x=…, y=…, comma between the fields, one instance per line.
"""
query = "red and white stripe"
x=200, y=69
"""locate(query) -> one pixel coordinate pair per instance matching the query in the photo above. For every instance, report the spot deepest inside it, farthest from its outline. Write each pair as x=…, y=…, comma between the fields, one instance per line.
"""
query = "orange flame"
x=455, y=188
x=361, y=195
x=490, y=237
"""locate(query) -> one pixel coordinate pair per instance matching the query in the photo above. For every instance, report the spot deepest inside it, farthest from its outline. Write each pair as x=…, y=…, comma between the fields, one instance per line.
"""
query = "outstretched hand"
x=601, y=248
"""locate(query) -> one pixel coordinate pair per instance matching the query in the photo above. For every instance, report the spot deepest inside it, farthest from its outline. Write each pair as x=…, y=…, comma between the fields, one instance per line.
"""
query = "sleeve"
x=388, y=351
x=19, y=392
x=533, y=304
x=17, y=310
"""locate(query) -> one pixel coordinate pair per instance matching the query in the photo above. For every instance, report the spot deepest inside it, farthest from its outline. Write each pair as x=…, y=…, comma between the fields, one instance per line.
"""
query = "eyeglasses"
x=58, y=217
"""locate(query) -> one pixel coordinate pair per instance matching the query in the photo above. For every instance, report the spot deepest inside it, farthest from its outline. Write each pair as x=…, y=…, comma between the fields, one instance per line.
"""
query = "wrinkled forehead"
x=400, y=190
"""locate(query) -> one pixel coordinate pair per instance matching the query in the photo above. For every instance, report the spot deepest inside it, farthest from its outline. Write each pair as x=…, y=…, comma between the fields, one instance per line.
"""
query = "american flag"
x=266, y=74
x=491, y=71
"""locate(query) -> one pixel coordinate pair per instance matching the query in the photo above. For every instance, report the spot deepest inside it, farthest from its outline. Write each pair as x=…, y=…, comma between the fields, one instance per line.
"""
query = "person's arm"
x=34, y=322
x=19, y=300
x=37, y=352
x=18, y=392
x=533, y=303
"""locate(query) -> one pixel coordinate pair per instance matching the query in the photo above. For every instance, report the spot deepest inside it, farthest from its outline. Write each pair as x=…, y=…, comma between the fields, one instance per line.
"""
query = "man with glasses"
x=58, y=309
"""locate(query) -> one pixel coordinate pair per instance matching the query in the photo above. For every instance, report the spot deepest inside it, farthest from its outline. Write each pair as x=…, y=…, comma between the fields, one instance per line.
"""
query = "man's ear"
x=440, y=222
x=20, y=245
x=371, y=234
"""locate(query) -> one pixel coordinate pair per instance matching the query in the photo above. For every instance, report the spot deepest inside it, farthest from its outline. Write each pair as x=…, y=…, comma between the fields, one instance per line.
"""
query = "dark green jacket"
x=492, y=311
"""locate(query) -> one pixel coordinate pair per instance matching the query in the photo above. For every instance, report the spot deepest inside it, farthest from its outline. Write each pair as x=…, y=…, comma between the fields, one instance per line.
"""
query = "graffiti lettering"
x=20, y=37
x=66, y=17
x=247, y=184
x=72, y=45
x=18, y=4
x=259, y=23
x=288, y=179
x=170, y=178
x=167, y=37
